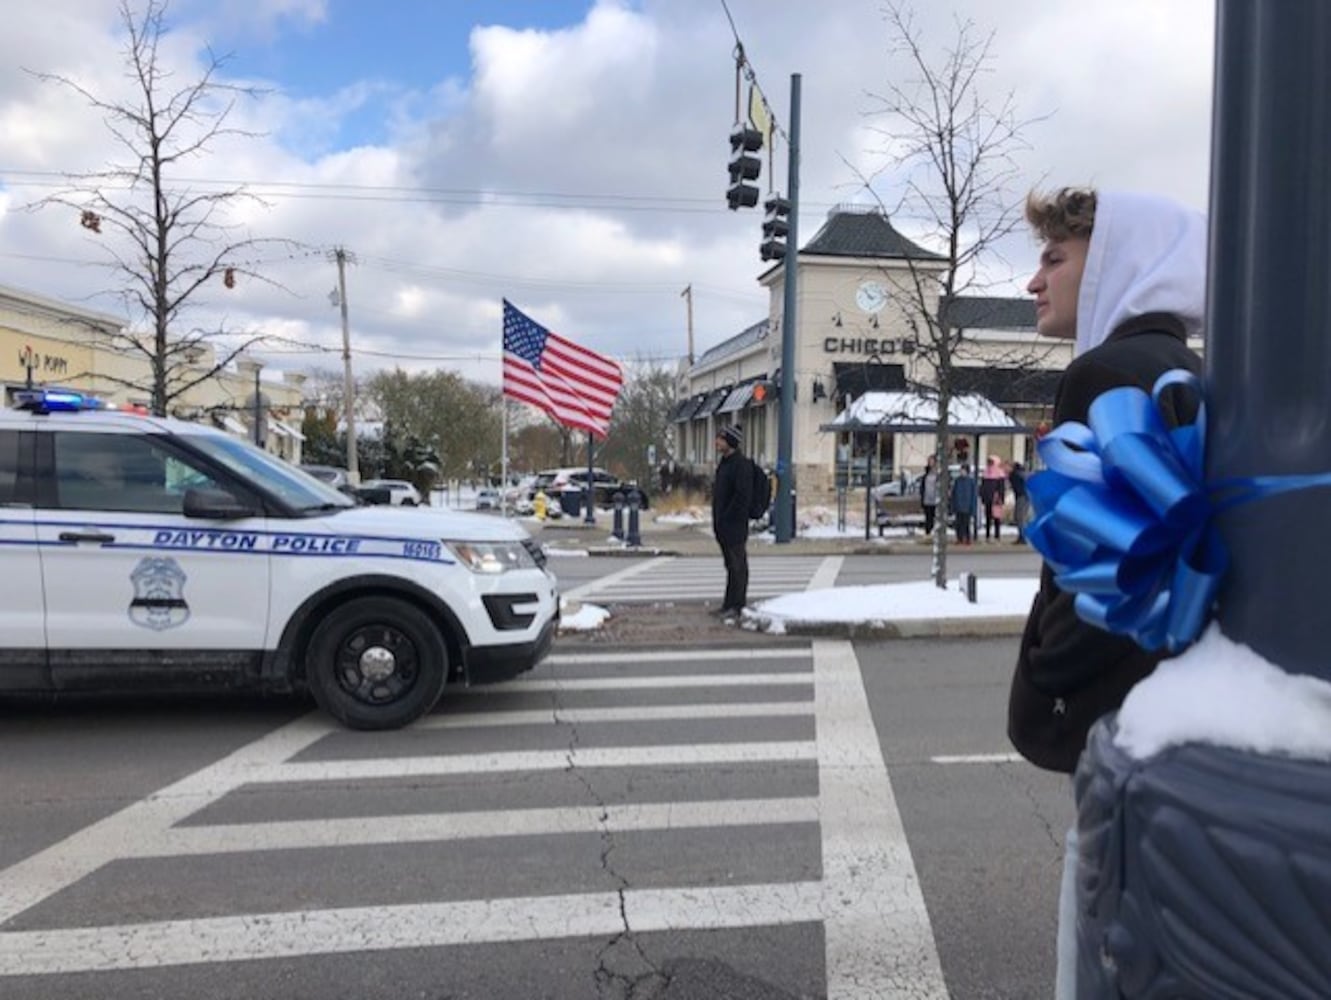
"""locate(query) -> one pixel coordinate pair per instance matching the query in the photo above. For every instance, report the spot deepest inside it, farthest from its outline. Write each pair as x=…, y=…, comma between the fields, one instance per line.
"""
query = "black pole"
x=785, y=462
x=1268, y=354
x=257, y=408
x=589, y=516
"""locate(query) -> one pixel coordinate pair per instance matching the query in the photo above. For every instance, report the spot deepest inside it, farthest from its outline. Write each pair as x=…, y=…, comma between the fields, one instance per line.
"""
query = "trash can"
x=570, y=501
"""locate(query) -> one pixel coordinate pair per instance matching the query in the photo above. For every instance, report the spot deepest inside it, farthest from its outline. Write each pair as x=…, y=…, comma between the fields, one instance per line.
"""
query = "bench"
x=899, y=512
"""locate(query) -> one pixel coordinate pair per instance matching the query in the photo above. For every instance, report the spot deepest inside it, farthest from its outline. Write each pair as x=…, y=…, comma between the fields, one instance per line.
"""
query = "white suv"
x=400, y=492
x=144, y=551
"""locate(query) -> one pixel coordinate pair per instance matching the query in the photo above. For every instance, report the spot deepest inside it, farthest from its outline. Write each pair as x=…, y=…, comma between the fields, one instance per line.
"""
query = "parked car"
x=400, y=492
x=487, y=499
x=337, y=478
x=157, y=553
x=605, y=484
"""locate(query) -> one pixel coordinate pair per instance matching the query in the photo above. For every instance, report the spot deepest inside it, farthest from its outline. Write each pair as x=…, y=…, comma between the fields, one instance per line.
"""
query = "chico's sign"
x=868, y=345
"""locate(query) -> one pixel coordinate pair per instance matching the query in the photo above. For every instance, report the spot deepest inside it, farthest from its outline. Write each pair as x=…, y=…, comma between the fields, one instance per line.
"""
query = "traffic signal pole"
x=785, y=465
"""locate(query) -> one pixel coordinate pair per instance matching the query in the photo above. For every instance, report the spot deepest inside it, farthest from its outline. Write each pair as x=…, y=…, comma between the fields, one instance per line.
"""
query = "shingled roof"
x=863, y=233
x=981, y=312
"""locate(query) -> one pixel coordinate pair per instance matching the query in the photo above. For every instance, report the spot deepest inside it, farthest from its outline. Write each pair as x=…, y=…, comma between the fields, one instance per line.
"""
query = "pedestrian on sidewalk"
x=929, y=494
x=732, y=490
x=1021, y=504
x=963, y=505
x=992, y=497
x=1124, y=276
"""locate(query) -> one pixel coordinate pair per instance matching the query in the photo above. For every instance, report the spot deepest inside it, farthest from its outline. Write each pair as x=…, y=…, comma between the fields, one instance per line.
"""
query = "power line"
x=403, y=194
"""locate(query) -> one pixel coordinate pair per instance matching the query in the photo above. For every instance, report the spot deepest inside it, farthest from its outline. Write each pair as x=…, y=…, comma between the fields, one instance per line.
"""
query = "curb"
x=921, y=628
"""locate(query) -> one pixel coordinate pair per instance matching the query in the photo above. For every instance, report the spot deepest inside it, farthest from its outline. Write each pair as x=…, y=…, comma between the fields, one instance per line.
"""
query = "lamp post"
x=258, y=406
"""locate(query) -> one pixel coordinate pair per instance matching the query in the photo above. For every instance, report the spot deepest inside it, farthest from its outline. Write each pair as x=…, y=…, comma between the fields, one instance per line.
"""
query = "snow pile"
x=575, y=617
x=1224, y=694
x=998, y=597
x=564, y=553
x=687, y=516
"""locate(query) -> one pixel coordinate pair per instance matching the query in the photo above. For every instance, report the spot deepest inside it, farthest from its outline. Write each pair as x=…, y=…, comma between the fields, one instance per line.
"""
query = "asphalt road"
x=673, y=825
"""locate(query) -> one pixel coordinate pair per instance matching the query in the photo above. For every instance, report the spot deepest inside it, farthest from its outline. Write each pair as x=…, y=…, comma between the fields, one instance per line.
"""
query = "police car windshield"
x=289, y=484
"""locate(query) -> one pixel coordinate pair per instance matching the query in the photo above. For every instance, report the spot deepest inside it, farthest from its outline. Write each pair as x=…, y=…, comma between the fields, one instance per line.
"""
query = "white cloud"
x=581, y=172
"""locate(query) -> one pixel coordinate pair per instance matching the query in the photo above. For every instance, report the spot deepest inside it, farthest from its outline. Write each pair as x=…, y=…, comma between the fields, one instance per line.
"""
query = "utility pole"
x=258, y=406
x=785, y=463
x=349, y=388
x=687, y=295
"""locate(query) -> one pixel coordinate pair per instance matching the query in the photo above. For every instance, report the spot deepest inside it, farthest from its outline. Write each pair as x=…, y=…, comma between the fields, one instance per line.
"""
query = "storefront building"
x=45, y=343
x=858, y=330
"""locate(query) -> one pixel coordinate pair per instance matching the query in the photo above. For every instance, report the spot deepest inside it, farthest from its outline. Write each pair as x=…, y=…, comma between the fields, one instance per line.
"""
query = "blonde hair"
x=1066, y=213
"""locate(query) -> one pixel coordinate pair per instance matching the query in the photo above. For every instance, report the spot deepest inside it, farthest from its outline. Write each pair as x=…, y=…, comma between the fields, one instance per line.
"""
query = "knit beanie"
x=731, y=436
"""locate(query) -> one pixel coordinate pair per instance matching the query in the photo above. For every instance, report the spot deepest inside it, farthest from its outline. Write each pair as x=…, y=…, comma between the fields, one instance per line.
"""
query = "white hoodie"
x=1147, y=255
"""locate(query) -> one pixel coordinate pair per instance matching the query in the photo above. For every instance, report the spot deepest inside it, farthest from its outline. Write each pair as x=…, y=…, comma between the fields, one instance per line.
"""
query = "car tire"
x=408, y=503
x=376, y=663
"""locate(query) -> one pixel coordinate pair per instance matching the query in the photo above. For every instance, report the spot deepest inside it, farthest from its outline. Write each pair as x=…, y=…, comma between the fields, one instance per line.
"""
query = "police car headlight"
x=492, y=557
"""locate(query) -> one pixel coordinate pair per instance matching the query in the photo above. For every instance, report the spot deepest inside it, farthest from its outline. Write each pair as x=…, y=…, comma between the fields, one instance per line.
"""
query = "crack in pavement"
x=610, y=983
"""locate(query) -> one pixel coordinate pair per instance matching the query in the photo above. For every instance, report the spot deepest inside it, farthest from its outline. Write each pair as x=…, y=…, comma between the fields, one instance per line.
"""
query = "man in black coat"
x=731, y=493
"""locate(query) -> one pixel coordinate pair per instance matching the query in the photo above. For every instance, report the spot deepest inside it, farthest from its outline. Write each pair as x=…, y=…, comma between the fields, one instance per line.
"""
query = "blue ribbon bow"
x=1124, y=516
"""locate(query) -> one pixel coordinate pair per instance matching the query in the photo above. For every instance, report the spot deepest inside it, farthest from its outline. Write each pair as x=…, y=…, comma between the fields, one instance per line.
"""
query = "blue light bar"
x=55, y=401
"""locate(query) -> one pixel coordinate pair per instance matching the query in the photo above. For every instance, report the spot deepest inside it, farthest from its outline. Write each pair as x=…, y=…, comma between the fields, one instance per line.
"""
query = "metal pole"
x=258, y=408
x=589, y=516
x=349, y=383
x=785, y=462
x=1268, y=358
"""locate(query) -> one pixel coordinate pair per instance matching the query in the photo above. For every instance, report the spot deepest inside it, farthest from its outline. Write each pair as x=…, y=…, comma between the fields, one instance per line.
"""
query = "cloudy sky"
x=569, y=155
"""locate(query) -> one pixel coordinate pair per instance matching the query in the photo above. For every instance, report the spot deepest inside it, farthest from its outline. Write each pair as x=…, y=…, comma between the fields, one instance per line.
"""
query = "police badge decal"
x=159, y=594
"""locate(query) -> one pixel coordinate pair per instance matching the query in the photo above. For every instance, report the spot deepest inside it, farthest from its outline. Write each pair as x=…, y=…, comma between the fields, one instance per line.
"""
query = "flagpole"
x=590, y=517
x=503, y=460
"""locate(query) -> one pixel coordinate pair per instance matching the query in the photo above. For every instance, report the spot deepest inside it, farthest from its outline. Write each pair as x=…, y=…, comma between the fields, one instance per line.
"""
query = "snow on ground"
x=692, y=515
x=995, y=597
x=575, y=617
x=565, y=553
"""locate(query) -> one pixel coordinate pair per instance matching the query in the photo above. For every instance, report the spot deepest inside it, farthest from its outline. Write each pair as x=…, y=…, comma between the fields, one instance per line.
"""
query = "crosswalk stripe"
x=874, y=948
x=62, y=864
x=827, y=573
x=646, y=683
x=435, y=827
x=683, y=655
x=693, y=755
x=640, y=713
x=254, y=937
x=692, y=579
x=628, y=572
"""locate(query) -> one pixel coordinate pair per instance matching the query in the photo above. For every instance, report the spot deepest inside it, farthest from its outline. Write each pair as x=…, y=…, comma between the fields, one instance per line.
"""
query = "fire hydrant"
x=538, y=505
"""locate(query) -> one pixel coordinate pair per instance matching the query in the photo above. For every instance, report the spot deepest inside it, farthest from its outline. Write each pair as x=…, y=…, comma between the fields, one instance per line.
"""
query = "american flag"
x=576, y=386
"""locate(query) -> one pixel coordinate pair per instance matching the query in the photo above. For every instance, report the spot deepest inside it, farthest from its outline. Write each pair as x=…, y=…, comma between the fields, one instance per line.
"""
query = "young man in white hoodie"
x=1124, y=275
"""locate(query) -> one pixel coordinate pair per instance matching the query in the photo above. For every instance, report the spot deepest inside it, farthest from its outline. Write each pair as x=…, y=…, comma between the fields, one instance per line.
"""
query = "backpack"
x=760, y=499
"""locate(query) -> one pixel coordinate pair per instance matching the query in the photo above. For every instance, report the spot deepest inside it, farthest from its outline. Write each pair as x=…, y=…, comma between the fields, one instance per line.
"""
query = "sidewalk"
x=672, y=539
x=916, y=609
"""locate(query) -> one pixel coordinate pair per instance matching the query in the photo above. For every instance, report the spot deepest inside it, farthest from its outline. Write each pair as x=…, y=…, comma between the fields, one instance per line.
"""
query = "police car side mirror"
x=215, y=505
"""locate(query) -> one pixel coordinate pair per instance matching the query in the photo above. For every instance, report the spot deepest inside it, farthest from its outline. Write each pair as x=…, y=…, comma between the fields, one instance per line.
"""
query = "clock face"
x=871, y=296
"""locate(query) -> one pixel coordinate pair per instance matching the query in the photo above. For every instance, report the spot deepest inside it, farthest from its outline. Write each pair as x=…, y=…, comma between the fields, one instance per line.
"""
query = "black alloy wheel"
x=376, y=663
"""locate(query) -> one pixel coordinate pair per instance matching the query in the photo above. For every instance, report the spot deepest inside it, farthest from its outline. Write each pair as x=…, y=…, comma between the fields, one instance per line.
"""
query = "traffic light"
x=776, y=227
x=763, y=392
x=745, y=165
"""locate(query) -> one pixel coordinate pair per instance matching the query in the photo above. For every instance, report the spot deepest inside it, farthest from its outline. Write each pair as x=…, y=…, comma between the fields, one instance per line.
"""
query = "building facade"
x=861, y=289
x=45, y=343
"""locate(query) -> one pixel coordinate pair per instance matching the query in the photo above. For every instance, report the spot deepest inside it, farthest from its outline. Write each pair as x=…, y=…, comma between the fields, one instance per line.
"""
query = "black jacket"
x=731, y=493
x=1070, y=673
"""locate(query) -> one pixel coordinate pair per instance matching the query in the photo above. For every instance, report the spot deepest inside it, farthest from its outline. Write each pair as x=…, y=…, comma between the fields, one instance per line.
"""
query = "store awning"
x=689, y=407
x=915, y=412
x=233, y=426
x=738, y=399
x=285, y=430
x=709, y=405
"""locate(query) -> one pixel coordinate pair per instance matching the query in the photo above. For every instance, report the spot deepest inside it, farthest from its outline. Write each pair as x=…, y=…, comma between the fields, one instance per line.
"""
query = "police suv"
x=143, y=551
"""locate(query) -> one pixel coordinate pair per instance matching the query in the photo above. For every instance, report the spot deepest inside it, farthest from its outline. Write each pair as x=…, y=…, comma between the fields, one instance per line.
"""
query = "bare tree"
x=951, y=151
x=170, y=240
x=640, y=423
